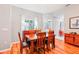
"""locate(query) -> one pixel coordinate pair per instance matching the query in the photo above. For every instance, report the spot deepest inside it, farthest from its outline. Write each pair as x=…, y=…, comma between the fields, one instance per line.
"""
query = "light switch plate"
x=4, y=29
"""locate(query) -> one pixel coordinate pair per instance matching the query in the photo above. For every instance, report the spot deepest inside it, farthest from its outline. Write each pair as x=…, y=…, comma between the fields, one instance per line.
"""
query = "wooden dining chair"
x=61, y=32
x=41, y=41
x=32, y=42
x=25, y=32
x=23, y=44
x=51, y=40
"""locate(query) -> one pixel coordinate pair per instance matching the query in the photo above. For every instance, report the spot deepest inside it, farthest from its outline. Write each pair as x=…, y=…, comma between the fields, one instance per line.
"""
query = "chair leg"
x=26, y=50
x=44, y=48
x=21, y=50
x=54, y=42
x=11, y=52
x=53, y=45
x=38, y=50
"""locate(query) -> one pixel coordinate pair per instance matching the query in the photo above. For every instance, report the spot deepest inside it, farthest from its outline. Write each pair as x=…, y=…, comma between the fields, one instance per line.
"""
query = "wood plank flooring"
x=60, y=48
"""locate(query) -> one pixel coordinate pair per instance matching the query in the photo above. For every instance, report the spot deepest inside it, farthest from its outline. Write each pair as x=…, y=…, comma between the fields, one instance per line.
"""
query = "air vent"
x=67, y=5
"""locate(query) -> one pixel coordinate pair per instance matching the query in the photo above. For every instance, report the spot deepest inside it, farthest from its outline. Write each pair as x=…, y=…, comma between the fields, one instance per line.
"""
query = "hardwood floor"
x=60, y=48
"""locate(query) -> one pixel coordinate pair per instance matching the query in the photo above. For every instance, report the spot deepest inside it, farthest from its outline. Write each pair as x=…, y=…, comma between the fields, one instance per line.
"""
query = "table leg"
x=53, y=42
x=32, y=46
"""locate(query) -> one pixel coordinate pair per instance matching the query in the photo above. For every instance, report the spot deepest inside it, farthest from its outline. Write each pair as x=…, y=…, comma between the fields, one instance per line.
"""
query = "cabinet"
x=69, y=38
x=72, y=39
x=76, y=41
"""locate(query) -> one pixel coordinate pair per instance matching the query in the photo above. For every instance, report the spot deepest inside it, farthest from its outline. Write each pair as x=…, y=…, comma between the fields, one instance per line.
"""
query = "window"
x=29, y=24
x=35, y=24
x=48, y=25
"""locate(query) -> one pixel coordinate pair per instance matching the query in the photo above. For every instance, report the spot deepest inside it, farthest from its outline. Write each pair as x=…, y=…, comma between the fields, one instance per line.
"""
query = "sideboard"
x=72, y=39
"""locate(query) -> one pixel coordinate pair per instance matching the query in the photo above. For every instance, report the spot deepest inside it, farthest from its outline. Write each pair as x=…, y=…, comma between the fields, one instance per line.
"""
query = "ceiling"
x=41, y=8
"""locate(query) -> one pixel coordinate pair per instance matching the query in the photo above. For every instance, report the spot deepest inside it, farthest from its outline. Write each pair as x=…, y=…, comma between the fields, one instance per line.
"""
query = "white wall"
x=70, y=11
x=5, y=27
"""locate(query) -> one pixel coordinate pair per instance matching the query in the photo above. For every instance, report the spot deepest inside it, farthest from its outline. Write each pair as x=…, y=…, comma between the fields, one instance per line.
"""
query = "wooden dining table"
x=32, y=39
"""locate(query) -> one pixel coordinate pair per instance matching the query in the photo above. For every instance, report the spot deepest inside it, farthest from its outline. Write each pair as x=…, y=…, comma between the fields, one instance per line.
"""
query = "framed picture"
x=74, y=22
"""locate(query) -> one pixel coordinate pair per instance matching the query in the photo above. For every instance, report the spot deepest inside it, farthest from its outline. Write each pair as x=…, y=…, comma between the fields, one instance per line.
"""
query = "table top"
x=34, y=37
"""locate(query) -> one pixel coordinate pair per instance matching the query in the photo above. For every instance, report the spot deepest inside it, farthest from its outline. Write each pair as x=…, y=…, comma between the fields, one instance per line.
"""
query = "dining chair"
x=61, y=32
x=25, y=32
x=32, y=42
x=51, y=40
x=41, y=41
x=23, y=44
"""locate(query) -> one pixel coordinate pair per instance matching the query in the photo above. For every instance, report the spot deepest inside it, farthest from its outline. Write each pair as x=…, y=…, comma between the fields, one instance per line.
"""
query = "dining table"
x=32, y=39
